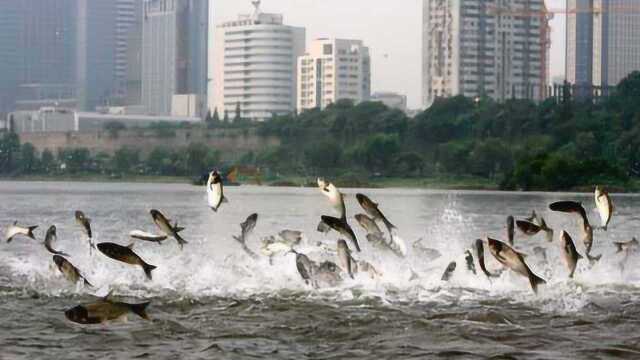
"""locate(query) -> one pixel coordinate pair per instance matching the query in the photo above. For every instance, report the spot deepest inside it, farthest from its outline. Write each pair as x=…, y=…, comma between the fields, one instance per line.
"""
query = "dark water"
x=211, y=301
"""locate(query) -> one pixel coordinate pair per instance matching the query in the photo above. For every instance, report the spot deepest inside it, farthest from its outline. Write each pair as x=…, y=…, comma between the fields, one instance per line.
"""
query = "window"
x=327, y=49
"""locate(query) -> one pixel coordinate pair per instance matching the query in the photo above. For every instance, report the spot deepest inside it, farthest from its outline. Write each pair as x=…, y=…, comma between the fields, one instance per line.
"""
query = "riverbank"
x=436, y=183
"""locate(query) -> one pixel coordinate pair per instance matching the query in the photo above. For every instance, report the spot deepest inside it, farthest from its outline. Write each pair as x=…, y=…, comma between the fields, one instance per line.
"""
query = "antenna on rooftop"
x=256, y=4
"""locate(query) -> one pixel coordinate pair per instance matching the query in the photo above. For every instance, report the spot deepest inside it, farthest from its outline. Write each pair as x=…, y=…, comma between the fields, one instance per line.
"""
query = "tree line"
x=18, y=159
x=518, y=144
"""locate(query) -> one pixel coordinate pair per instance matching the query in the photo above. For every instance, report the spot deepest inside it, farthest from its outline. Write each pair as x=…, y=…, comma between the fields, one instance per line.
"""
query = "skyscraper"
x=603, y=41
x=255, y=65
x=332, y=70
x=493, y=48
x=65, y=52
x=174, y=56
x=579, y=58
x=37, y=43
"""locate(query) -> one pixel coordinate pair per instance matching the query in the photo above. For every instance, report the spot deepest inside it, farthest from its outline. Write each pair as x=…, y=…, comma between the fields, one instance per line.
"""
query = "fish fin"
x=9, y=239
x=30, y=231
x=580, y=256
x=15, y=222
x=141, y=310
x=177, y=229
x=147, y=269
x=224, y=200
x=87, y=283
x=215, y=209
x=237, y=238
x=535, y=280
x=130, y=246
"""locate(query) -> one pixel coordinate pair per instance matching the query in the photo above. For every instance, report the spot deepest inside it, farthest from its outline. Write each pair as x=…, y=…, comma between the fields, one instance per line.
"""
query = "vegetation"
x=554, y=145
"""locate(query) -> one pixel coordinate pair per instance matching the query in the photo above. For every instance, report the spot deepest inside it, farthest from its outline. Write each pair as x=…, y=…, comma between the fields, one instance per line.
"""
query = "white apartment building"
x=255, y=65
x=332, y=70
x=493, y=48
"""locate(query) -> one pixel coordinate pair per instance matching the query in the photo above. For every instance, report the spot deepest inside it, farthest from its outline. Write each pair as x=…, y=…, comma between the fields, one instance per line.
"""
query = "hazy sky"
x=388, y=27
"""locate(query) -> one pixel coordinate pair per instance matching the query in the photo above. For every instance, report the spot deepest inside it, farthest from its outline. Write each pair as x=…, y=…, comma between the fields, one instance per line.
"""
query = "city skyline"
x=399, y=46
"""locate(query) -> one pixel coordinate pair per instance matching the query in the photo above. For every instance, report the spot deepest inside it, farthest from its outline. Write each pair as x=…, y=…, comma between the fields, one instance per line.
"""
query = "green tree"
x=125, y=160
x=28, y=158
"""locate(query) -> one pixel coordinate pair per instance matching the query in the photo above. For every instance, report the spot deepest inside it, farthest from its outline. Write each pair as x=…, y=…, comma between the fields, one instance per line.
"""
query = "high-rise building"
x=332, y=70
x=103, y=30
x=616, y=41
x=579, y=50
x=37, y=47
x=255, y=65
x=174, y=56
x=603, y=41
x=68, y=53
x=492, y=48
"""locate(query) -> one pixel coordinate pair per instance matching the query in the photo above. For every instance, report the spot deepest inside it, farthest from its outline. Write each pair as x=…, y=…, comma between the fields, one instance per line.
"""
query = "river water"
x=212, y=301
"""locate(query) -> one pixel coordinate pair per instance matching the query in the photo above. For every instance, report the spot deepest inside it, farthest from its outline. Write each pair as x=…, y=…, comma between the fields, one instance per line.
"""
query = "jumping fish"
x=69, y=271
x=247, y=227
x=165, y=226
x=215, y=191
x=336, y=198
x=604, y=205
x=105, y=310
x=49, y=238
x=14, y=230
x=126, y=255
x=342, y=227
x=569, y=252
x=514, y=261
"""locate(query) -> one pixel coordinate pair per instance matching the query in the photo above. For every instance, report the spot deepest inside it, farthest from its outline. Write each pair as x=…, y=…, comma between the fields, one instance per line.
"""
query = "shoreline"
x=461, y=183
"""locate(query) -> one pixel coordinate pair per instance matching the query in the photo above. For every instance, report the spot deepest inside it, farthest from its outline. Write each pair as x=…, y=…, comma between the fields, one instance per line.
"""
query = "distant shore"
x=436, y=183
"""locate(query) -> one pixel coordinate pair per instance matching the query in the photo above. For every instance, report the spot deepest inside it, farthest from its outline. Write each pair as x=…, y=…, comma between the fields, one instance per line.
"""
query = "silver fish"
x=49, y=238
x=215, y=191
x=15, y=230
x=69, y=271
x=347, y=263
x=165, y=226
x=604, y=206
x=514, y=261
x=569, y=252
x=336, y=198
x=247, y=227
x=145, y=236
x=342, y=227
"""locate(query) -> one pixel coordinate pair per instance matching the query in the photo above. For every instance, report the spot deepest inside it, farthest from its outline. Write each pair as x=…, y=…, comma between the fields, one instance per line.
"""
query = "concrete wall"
x=231, y=143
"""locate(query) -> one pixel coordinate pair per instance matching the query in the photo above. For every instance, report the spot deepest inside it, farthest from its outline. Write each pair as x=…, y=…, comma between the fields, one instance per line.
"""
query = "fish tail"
x=148, y=269
x=535, y=280
x=141, y=310
x=30, y=231
x=180, y=240
x=618, y=248
x=390, y=227
x=594, y=259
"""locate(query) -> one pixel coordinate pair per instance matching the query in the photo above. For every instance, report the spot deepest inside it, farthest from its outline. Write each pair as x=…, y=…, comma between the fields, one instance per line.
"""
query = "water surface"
x=212, y=301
